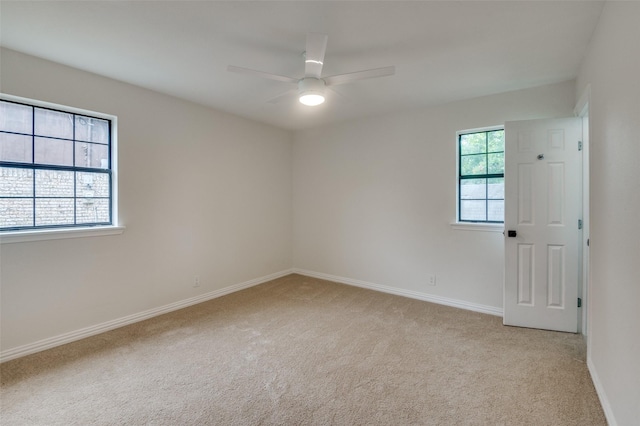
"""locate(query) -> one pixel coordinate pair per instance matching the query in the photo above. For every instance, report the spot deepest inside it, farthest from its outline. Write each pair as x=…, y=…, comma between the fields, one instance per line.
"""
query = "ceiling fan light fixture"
x=311, y=99
x=311, y=91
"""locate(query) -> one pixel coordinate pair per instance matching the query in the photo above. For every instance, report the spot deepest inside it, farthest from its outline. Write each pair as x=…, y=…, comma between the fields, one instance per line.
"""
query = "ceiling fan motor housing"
x=311, y=88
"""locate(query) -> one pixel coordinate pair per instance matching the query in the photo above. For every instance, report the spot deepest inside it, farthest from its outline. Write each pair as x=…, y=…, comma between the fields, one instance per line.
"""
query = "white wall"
x=612, y=69
x=201, y=192
x=373, y=200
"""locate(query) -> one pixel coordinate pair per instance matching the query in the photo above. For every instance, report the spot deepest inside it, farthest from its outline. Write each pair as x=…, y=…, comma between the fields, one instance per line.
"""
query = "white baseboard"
x=491, y=310
x=604, y=401
x=72, y=336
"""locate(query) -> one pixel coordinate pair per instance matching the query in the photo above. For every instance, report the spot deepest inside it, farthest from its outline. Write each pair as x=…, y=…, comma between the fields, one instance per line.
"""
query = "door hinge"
x=579, y=302
x=579, y=223
x=579, y=145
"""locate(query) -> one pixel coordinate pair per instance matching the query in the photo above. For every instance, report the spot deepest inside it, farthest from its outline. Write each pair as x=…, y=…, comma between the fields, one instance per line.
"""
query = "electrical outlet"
x=432, y=280
x=196, y=281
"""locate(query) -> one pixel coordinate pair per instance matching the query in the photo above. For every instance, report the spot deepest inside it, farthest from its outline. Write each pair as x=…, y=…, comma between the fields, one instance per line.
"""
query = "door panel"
x=526, y=264
x=542, y=204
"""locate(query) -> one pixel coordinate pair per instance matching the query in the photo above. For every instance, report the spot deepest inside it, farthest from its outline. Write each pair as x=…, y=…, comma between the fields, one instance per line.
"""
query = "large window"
x=481, y=176
x=55, y=167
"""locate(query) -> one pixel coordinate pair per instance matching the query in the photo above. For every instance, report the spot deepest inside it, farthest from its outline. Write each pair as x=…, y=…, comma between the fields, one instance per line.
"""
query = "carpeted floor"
x=302, y=351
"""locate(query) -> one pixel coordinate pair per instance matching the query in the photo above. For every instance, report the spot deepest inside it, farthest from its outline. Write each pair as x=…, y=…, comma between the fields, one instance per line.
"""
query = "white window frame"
x=26, y=235
x=471, y=226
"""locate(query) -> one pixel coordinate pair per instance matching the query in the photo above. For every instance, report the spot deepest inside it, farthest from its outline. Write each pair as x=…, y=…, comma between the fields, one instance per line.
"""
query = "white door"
x=542, y=236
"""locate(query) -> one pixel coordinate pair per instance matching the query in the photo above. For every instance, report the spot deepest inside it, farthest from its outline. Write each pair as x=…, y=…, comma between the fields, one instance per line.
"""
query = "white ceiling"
x=443, y=50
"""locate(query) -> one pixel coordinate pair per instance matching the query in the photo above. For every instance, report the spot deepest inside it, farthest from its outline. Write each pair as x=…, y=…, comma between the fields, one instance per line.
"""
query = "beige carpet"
x=302, y=351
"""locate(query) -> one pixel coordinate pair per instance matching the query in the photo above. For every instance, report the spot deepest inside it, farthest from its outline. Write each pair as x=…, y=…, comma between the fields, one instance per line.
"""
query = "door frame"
x=582, y=110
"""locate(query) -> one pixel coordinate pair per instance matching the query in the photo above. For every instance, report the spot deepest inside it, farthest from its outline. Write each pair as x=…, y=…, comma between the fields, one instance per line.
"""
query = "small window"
x=55, y=167
x=481, y=176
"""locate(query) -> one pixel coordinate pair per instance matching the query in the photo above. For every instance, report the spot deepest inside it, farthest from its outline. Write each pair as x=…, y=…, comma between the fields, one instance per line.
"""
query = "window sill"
x=58, y=234
x=486, y=227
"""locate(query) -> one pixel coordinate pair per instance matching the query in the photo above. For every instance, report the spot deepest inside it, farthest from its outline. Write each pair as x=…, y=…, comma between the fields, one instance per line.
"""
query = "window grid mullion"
x=75, y=173
x=33, y=161
x=110, y=176
x=459, y=177
x=486, y=180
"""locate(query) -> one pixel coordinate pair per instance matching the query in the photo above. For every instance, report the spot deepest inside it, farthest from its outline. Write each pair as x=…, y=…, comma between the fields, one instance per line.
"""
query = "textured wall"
x=611, y=69
x=374, y=199
x=200, y=192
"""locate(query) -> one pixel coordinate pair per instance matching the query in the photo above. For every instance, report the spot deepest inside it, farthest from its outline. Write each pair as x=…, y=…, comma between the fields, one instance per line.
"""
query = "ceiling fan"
x=311, y=87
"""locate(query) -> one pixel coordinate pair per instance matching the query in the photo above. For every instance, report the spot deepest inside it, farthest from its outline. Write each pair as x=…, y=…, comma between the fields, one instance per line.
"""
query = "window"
x=481, y=176
x=55, y=167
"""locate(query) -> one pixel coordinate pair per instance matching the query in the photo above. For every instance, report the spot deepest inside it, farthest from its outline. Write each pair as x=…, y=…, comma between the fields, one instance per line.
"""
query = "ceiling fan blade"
x=336, y=95
x=283, y=96
x=314, y=54
x=334, y=80
x=262, y=74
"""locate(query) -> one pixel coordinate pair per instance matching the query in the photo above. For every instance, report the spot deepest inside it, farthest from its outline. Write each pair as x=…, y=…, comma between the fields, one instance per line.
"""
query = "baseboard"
x=65, y=338
x=491, y=310
x=604, y=401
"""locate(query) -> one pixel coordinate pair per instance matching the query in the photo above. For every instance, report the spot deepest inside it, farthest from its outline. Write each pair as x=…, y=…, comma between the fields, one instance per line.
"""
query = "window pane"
x=496, y=141
x=53, y=151
x=92, y=210
x=92, y=129
x=473, y=210
x=16, y=182
x=15, y=118
x=495, y=189
x=496, y=210
x=15, y=148
x=54, y=183
x=473, y=143
x=496, y=163
x=16, y=212
x=58, y=146
x=473, y=165
x=473, y=189
x=54, y=211
x=92, y=184
x=92, y=155
x=53, y=123
x=481, y=155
